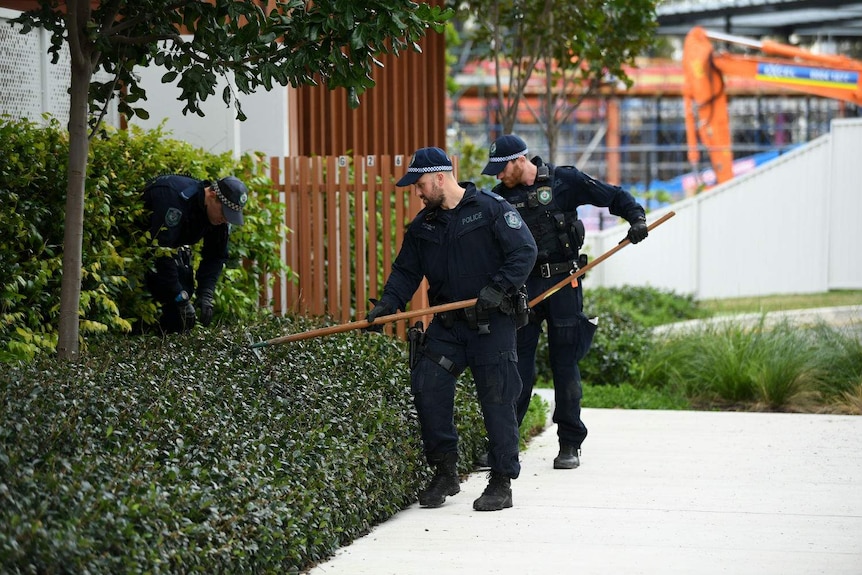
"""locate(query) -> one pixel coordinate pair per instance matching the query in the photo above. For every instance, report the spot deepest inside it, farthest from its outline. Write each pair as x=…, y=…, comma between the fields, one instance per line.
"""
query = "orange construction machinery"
x=780, y=66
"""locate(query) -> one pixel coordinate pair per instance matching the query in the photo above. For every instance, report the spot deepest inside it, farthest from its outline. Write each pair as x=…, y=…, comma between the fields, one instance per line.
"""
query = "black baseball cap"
x=503, y=150
x=233, y=195
x=424, y=161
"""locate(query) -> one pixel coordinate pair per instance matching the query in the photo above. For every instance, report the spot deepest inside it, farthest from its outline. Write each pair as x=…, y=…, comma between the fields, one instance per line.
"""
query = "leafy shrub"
x=623, y=338
x=619, y=346
x=115, y=249
x=188, y=454
x=646, y=306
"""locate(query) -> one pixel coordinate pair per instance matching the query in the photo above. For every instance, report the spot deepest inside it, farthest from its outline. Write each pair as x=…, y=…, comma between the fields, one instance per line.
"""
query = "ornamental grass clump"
x=739, y=366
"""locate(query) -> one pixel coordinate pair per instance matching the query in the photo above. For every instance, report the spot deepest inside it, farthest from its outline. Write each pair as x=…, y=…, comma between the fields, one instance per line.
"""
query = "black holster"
x=521, y=307
x=477, y=319
x=415, y=343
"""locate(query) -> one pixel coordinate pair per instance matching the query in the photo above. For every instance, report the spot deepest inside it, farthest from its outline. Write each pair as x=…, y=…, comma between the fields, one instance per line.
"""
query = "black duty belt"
x=549, y=270
x=452, y=315
x=475, y=319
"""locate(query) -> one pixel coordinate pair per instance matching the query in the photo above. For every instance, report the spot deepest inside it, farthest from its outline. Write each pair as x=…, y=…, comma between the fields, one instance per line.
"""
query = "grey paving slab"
x=657, y=492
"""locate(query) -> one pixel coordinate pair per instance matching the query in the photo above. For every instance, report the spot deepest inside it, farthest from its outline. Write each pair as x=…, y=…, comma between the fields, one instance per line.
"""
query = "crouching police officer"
x=469, y=244
x=183, y=211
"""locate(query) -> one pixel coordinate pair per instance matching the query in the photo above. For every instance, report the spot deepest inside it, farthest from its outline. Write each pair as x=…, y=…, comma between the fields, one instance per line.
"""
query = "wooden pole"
x=363, y=323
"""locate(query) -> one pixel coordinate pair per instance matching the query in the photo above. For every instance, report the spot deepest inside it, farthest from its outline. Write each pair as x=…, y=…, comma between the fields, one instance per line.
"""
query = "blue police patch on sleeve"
x=173, y=217
x=513, y=220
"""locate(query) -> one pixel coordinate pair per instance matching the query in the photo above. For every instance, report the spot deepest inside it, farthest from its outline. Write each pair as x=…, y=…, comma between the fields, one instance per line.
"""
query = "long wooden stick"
x=568, y=279
x=364, y=323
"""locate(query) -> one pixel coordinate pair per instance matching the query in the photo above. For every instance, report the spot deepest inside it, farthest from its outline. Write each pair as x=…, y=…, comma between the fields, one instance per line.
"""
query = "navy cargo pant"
x=493, y=362
x=159, y=282
x=570, y=335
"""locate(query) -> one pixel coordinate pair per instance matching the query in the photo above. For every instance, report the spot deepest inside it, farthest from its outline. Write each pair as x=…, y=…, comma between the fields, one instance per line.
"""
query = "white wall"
x=790, y=226
x=844, y=206
x=30, y=86
x=265, y=130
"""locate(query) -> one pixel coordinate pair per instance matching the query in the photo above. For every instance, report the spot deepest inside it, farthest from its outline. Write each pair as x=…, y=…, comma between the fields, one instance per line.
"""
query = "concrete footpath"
x=658, y=492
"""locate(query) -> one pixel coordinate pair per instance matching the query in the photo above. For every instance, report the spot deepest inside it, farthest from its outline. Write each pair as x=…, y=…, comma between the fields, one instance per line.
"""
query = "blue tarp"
x=678, y=186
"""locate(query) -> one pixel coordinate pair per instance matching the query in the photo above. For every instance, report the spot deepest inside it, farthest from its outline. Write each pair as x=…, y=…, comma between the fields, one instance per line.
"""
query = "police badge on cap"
x=503, y=150
x=233, y=195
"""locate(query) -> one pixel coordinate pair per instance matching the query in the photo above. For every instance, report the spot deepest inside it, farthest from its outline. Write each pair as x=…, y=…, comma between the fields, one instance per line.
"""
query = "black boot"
x=445, y=481
x=568, y=457
x=498, y=494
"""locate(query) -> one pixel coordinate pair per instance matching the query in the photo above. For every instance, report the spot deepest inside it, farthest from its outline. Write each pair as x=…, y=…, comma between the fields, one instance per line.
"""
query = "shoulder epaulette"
x=493, y=194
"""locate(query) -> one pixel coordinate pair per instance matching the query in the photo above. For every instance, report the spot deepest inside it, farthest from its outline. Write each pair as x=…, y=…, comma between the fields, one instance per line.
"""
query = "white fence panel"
x=663, y=260
x=845, y=209
x=789, y=227
x=30, y=85
x=760, y=232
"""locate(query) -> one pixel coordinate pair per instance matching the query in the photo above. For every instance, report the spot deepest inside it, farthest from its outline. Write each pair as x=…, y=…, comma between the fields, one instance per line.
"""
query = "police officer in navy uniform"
x=468, y=243
x=548, y=198
x=183, y=211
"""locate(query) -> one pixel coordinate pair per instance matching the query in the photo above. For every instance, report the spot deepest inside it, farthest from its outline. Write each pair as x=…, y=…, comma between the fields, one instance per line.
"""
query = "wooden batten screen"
x=404, y=111
x=346, y=220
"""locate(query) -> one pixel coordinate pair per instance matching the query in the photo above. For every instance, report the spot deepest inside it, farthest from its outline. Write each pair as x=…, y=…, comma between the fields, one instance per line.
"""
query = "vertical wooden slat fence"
x=346, y=221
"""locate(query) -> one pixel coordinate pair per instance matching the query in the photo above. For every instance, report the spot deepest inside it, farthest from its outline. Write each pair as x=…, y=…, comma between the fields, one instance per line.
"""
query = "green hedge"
x=189, y=454
x=114, y=256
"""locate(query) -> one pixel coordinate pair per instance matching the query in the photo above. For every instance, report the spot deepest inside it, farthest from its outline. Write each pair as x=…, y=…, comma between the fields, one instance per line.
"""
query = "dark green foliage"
x=115, y=248
x=618, y=347
x=647, y=306
x=188, y=454
x=838, y=357
x=623, y=337
x=626, y=396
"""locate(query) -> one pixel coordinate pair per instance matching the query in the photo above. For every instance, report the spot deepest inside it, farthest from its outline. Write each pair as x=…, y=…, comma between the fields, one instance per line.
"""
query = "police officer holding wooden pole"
x=468, y=243
x=548, y=197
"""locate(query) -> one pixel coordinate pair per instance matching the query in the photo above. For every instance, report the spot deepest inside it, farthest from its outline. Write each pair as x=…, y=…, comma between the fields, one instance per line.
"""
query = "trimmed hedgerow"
x=189, y=454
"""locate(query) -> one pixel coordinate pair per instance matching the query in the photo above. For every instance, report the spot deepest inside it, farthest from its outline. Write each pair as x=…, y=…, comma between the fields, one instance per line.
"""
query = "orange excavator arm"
x=705, y=98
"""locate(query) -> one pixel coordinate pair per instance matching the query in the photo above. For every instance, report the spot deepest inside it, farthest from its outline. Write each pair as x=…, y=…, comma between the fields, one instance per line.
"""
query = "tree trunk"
x=73, y=233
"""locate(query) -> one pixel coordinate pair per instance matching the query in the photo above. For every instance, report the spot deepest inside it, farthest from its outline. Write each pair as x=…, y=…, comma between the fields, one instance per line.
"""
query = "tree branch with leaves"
x=252, y=44
x=578, y=46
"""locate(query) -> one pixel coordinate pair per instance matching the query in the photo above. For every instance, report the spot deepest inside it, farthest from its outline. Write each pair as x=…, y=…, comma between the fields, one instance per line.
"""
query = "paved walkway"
x=848, y=317
x=658, y=492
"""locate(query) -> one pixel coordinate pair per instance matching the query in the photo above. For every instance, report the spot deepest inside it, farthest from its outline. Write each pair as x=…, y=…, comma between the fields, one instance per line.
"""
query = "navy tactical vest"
x=558, y=234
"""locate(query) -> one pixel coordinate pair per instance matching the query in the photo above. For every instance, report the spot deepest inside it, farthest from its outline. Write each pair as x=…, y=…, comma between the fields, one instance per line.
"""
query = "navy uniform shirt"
x=179, y=218
x=573, y=188
x=460, y=251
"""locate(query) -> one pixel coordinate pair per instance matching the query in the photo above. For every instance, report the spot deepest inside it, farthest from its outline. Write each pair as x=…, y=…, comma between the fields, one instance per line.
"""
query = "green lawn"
x=759, y=304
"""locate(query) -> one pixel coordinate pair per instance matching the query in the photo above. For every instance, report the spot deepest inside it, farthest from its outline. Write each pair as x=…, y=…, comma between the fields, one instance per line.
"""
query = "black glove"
x=638, y=232
x=490, y=297
x=380, y=309
x=186, y=310
x=205, y=302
